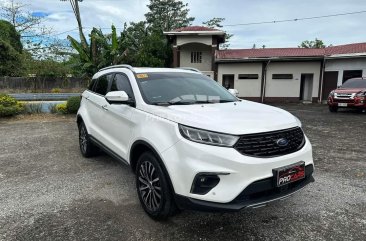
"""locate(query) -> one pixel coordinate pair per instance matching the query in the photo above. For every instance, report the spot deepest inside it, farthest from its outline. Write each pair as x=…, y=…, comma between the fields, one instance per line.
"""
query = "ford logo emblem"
x=282, y=142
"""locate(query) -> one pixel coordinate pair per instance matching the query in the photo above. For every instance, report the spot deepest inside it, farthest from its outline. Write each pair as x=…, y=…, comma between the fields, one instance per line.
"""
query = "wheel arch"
x=137, y=149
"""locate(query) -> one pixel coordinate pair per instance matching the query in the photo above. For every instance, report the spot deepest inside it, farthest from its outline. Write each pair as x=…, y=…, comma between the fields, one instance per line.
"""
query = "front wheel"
x=87, y=148
x=333, y=108
x=153, y=189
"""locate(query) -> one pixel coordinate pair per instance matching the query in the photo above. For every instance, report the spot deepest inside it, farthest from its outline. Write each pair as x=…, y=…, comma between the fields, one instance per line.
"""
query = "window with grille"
x=196, y=57
x=248, y=76
x=282, y=76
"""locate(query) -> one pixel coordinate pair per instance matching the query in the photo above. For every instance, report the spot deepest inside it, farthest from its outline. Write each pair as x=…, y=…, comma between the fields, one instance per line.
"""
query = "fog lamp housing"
x=204, y=182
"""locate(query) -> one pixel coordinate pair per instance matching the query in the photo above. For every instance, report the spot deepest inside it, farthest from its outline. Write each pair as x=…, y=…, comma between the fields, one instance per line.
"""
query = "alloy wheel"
x=83, y=139
x=149, y=186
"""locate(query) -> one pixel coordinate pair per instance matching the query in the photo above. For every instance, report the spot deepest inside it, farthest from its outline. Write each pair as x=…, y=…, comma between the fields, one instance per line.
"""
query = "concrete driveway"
x=48, y=191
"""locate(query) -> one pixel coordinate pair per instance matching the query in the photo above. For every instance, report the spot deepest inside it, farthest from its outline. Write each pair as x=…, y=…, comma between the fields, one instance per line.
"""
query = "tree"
x=101, y=52
x=145, y=47
x=167, y=15
x=10, y=50
x=9, y=34
x=317, y=44
x=35, y=36
x=26, y=23
x=75, y=8
x=216, y=23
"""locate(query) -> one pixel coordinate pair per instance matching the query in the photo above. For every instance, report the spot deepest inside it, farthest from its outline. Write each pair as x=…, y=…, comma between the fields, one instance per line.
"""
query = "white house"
x=270, y=74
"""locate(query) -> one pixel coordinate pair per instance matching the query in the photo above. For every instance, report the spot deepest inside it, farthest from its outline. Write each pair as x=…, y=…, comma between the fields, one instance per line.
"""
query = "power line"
x=294, y=20
x=251, y=23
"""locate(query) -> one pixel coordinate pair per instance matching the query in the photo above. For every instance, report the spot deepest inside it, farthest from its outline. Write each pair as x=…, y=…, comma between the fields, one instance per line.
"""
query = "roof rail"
x=191, y=69
x=119, y=66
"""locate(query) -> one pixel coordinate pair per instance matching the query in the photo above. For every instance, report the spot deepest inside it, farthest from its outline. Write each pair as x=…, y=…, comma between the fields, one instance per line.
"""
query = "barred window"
x=196, y=57
x=248, y=76
x=282, y=76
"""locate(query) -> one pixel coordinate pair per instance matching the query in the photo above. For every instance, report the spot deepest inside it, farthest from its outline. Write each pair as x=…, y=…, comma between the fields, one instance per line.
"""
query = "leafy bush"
x=9, y=106
x=52, y=108
x=73, y=104
x=56, y=90
x=33, y=108
x=61, y=108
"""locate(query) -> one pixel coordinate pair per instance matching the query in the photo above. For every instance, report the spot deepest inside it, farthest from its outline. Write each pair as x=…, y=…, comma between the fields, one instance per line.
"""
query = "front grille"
x=265, y=144
x=344, y=100
x=266, y=188
x=342, y=95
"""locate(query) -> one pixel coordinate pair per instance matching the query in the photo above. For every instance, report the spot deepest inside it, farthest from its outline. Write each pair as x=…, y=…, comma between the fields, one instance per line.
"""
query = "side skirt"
x=107, y=150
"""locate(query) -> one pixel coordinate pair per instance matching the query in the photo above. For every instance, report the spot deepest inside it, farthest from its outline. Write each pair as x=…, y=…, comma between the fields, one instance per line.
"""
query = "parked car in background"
x=352, y=94
x=191, y=143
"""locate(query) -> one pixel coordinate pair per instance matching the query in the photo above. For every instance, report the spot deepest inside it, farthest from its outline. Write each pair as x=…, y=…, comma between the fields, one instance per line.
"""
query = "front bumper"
x=357, y=102
x=186, y=159
x=255, y=195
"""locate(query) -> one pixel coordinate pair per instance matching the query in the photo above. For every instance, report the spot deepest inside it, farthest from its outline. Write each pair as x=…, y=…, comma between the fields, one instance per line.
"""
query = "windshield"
x=354, y=83
x=181, y=88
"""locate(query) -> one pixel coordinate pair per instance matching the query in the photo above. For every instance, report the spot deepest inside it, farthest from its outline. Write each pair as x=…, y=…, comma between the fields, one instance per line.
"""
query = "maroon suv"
x=352, y=94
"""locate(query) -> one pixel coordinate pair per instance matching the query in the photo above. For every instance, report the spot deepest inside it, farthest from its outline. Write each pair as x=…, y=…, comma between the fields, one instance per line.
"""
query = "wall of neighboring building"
x=291, y=87
x=185, y=56
x=345, y=64
x=246, y=87
x=181, y=40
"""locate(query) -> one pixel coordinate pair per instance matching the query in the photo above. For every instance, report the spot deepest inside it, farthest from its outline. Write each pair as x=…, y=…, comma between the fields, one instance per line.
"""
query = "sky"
x=333, y=30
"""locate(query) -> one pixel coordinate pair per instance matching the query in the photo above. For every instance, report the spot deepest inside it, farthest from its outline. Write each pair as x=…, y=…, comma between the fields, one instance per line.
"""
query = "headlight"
x=207, y=137
x=361, y=94
x=331, y=94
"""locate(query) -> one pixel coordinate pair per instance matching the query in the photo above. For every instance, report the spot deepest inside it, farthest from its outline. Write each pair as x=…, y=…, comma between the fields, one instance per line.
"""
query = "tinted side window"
x=90, y=87
x=121, y=82
x=102, y=85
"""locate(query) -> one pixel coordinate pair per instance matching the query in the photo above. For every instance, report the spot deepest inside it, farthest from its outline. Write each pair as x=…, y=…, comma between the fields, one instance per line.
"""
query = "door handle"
x=104, y=107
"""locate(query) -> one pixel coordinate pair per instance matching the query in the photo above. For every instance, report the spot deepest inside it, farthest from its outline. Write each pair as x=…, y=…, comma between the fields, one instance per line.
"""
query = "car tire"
x=153, y=189
x=87, y=148
x=333, y=108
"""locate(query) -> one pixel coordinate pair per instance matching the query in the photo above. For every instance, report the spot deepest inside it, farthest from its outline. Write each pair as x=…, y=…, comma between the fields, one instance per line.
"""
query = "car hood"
x=237, y=118
x=349, y=91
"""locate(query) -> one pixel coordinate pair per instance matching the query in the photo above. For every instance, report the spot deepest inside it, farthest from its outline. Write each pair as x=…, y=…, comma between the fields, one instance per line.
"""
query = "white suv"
x=190, y=142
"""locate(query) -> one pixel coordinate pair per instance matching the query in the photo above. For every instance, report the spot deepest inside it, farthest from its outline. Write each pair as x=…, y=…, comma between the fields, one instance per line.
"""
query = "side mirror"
x=234, y=92
x=118, y=97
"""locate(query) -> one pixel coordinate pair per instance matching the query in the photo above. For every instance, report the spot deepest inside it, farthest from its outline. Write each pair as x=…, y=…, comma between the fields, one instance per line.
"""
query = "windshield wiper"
x=190, y=102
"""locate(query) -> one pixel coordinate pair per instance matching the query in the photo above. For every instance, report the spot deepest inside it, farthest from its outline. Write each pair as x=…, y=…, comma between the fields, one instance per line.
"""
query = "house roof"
x=194, y=28
x=240, y=54
x=346, y=49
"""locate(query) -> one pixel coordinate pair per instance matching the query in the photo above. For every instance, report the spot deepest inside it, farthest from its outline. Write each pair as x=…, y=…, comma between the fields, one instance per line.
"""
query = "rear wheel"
x=87, y=148
x=333, y=108
x=153, y=189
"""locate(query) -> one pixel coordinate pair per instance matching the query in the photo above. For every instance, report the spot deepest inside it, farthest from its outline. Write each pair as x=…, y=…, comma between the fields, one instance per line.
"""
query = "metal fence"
x=41, y=84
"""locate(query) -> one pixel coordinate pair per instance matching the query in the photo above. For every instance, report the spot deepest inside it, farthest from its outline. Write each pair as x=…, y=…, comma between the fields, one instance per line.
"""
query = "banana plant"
x=101, y=51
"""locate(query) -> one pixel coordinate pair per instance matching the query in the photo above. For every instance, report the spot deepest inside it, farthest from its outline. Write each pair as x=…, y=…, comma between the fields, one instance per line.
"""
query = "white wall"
x=345, y=64
x=207, y=40
x=291, y=87
x=185, y=56
x=246, y=87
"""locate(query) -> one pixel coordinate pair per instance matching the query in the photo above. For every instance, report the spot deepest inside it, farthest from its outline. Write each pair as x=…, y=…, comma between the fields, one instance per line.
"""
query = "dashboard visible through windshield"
x=181, y=88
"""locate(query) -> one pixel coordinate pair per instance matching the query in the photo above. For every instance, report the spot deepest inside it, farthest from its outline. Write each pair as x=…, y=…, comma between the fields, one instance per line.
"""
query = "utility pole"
x=75, y=8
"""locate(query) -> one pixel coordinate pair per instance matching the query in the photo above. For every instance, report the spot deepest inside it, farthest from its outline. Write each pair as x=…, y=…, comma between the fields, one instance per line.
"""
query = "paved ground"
x=49, y=192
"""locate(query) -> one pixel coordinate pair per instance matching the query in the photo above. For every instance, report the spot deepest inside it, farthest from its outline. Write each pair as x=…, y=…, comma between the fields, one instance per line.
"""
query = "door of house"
x=228, y=81
x=306, y=87
x=330, y=80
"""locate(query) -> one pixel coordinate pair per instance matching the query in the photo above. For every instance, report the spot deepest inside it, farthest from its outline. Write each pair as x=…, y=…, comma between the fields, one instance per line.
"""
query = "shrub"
x=61, y=108
x=73, y=104
x=31, y=108
x=56, y=90
x=9, y=106
x=52, y=108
